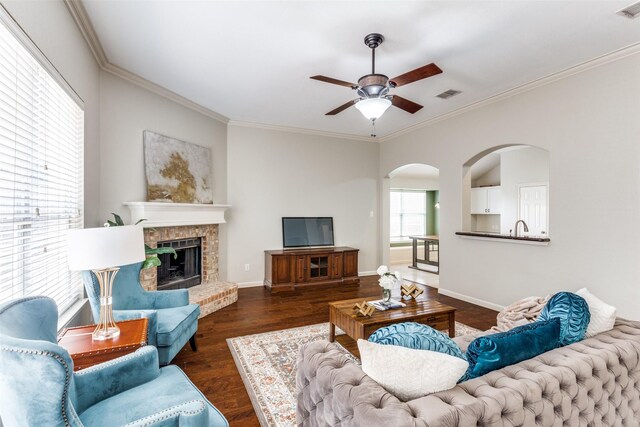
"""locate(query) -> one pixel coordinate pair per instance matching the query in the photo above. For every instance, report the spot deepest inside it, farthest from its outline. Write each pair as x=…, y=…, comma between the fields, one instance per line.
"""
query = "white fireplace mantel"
x=161, y=214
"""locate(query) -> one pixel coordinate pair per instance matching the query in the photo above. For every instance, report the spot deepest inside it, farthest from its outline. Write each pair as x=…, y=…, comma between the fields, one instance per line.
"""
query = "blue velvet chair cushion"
x=491, y=352
x=416, y=336
x=31, y=318
x=171, y=388
x=574, y=315
x=172, y=322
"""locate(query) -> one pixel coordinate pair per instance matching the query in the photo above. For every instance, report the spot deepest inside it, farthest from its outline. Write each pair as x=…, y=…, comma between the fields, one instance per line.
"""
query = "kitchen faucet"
x=526, y=229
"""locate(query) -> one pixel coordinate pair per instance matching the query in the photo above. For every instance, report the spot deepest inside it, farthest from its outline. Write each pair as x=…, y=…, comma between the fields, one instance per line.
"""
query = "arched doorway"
x=411, y=209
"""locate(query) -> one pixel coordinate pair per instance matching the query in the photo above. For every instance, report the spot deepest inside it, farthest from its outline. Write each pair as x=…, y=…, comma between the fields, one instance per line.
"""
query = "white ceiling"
x=251, y=60
x=485, y=164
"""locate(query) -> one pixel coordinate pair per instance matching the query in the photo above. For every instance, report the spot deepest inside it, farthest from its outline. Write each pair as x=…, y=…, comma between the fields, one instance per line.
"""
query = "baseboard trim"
x=366, y=273
x=250, y=284
x=472, y=300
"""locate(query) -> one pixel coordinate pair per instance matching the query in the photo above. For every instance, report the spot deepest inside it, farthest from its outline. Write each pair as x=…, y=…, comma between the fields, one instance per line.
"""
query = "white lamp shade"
x=104, y=247
x=373, y=108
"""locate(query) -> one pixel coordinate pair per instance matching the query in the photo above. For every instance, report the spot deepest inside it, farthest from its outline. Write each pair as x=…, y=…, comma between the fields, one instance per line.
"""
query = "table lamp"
x=102, y=250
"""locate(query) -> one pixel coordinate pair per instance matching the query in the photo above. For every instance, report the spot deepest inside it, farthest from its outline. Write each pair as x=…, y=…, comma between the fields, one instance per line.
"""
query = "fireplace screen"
x=185, y=270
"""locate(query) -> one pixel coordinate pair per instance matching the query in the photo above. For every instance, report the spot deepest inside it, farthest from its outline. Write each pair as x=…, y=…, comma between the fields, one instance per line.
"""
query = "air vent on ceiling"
x=631, y=11
x=448, y=94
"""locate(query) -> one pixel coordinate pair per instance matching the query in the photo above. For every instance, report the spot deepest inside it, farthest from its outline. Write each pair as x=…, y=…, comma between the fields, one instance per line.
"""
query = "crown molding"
x=166, y=93
x=303, y=131
x=80, y=16
x=616, y=55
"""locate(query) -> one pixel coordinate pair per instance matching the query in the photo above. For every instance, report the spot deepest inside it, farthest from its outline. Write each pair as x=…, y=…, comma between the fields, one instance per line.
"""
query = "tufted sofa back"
x=593, y=382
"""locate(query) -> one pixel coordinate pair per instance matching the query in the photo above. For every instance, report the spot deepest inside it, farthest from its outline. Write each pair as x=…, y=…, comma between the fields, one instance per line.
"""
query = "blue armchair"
x=172, y=320
x=39, y=388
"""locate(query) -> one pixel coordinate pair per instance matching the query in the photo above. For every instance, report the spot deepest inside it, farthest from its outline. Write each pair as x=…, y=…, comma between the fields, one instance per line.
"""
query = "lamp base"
x=105, y=334
x=106, y=328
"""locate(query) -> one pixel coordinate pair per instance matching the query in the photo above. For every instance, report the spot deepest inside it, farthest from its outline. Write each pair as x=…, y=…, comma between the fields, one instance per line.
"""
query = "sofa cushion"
x=410, y=373
x=418, y=337
x=491, y=352
x=173, y=321
x=573, y=312
x=603, y=315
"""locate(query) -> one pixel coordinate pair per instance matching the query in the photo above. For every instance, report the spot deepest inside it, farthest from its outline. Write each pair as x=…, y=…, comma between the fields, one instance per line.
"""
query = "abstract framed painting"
x=177, y=171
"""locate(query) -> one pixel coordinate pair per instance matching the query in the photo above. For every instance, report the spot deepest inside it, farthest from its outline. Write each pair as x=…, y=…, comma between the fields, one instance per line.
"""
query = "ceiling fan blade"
x=415, y=75
x=405, y=104
x=341, y=108
x=334, y=81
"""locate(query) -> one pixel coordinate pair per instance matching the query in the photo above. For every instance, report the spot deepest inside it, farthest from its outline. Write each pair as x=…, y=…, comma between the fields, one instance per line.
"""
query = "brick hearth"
x=212, y=294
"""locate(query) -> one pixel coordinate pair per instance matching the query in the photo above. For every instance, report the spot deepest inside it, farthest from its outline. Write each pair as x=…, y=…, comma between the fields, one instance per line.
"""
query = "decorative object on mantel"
x=364, y=309
x=102, y=250
x=411, y=291
x=152, y=259
x=388, y=281
x=177, y=171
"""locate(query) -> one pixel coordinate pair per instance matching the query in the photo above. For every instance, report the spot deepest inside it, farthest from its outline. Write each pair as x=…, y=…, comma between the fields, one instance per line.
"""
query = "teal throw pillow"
x=491, y=352
x=418, y=337
x=574, y=315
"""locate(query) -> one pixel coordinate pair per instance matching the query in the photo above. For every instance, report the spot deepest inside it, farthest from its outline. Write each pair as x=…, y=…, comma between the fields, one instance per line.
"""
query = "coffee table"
x=428, y=312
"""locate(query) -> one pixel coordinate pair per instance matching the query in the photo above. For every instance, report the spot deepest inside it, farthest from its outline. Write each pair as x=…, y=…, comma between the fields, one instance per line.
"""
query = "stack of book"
x=383, y=306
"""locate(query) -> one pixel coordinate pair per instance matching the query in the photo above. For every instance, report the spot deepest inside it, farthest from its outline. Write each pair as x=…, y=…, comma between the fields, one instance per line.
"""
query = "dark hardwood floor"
x=212, y=368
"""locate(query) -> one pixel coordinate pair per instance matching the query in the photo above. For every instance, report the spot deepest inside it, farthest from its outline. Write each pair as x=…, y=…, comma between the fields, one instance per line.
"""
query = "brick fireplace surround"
x=211, y=294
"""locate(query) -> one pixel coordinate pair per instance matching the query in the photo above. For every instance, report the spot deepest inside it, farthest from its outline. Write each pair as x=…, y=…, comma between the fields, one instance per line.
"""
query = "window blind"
x=408, y=213
x=41, y=176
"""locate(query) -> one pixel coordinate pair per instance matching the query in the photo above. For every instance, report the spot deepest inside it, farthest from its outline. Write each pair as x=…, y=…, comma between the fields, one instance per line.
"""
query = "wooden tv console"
x=288, y=269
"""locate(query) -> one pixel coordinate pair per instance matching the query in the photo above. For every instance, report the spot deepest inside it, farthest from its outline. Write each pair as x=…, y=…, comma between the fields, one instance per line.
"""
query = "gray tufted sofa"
x=595, y=382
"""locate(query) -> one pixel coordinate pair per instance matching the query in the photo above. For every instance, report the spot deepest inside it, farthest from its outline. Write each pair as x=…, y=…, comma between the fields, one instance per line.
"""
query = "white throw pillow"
x=603, y=315
x=409, y=373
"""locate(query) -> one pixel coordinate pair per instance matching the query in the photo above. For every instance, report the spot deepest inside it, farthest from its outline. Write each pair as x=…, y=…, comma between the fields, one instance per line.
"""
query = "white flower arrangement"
x=388, y=280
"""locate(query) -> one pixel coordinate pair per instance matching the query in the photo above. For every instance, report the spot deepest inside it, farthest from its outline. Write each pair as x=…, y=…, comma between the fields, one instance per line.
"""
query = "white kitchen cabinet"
x=486, y=200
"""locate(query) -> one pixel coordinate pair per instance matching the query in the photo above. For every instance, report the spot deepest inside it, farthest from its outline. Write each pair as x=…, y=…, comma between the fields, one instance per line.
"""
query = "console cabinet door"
x=336, y=266
x=350, y=264
x=301, y=268
x=318, y=267
x=281, y=269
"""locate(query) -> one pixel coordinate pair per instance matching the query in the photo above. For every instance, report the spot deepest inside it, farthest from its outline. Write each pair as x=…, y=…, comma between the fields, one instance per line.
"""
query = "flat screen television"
x=299, y=232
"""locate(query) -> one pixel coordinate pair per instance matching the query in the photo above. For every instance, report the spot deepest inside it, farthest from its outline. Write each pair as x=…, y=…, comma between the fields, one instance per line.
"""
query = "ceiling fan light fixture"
x=373, y=108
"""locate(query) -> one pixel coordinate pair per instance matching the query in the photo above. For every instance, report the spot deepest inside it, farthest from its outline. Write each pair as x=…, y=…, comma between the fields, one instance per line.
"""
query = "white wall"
x=274, y=174
x=523, y=166
x=486, y=223
x=589, y=124
x=414, y=183
x=126, y=110
x=53, y=30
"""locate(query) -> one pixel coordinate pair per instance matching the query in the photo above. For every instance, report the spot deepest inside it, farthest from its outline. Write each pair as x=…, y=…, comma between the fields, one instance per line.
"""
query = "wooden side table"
x=86, y=352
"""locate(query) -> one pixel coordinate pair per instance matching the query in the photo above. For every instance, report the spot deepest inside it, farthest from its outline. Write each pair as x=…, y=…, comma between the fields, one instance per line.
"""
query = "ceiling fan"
x=373, y=89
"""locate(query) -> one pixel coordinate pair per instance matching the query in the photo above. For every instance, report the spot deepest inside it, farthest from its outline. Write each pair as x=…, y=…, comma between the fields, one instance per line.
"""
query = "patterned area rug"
x=267, y=364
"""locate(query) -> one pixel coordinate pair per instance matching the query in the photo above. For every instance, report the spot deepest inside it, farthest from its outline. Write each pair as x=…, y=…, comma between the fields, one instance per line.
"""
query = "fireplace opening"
x=185, y=270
